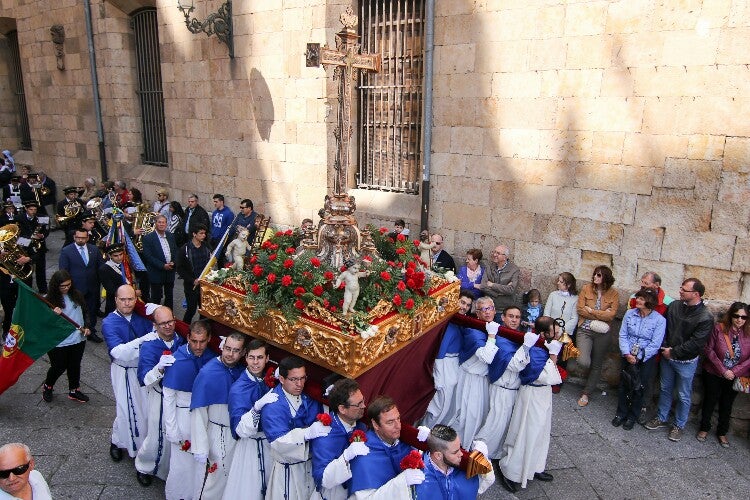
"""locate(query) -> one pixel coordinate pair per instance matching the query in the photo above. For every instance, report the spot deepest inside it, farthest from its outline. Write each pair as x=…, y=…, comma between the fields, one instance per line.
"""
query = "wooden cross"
x=347, y=62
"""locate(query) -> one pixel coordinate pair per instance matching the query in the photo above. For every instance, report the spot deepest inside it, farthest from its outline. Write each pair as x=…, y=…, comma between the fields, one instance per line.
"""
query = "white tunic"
x=245, y=477
x=472, y=392
x=527, y=441
x=395, y=489
x=292, y=467
x=152, y=450
x=131, y=421
x=183, y=470
x=442, y=408
x=209, y=427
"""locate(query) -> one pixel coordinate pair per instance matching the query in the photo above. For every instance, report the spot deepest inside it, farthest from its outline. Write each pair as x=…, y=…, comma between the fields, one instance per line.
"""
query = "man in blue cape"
x=332, y=454
x=212, y=442
x=289, y=423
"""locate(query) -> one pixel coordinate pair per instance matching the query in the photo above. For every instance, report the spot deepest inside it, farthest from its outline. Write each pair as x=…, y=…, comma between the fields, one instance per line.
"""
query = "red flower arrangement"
x=317, y=290
x=315, y=262
x=299, y=291
x=397, y=299
x=286, y=280
x=212, y=468
x=255, y=288
x=323, y=418
x=412, y=461
x=185, y=446
x=288, y=263
x=358, y=436
x=269, y=379
x=271, y=278
x=299, y=304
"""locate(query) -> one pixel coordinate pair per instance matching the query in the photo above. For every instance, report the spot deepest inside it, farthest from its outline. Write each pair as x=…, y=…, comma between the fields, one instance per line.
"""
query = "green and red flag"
x=34, y=331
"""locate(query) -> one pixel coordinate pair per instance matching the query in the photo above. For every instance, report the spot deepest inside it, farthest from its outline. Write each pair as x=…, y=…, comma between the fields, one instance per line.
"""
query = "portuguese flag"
x=35, y=330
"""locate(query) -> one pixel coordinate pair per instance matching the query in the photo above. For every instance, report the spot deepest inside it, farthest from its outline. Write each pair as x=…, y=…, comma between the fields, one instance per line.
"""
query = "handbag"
x=598, y=326
x=740, y=384
x=630, y=378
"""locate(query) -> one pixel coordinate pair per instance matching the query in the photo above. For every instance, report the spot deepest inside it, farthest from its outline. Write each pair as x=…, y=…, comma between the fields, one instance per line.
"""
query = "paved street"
x=589, y=458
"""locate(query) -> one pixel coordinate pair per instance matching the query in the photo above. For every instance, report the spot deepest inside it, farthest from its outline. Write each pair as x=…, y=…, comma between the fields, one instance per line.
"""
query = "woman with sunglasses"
x=597, y=305
x=67, y=356
x=727, y=357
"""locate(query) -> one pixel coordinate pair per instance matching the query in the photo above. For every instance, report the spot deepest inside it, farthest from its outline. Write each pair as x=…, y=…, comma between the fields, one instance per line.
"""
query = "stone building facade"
x=577, y=132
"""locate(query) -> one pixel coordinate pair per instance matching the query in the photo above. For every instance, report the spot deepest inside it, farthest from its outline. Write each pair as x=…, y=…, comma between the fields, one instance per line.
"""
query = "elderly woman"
x=563, y=302
x=727, y=357
x=597, y=305
x=471, y=274
x=641, y=334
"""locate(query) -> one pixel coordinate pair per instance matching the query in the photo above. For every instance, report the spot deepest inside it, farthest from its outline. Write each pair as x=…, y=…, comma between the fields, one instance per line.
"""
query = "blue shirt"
x=451, y=486
x=647, y=332
x=74, y=312
x=220, y=222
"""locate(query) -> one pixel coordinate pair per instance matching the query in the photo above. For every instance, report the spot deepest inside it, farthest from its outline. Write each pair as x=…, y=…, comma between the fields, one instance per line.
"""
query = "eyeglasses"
x=233, y=350
x=685, y=291
x=171, y=322
x=295, y=380
x=597, y=275
x=438, y=242
x=17, y=471
x=743, y=317
x=487, y=308
x=66, y=285
x=361, y=404
x=243, y=206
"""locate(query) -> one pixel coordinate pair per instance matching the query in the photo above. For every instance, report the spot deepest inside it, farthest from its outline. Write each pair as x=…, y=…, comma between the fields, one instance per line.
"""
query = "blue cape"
x=539, y=357
x=437, y=485
x=325, y=449
x=242, y=396
x=473, y=339
x=150, y=353
x=506, y=350
x=451, y=342
x=211, y=386
x=181, y=375
x=276, y=418
x=382, y=464
x=117, y=330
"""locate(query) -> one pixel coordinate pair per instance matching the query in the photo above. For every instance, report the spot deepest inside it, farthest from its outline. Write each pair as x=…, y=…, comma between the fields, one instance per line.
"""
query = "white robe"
x=291, y=449
x=148, y=452
x=503, y=392
x=442, y=408
x=395, y=489
x=527, y=441
x=245, y=477
x=209, y=427
x=183, y=470
x=131, y=421
x=472, y=392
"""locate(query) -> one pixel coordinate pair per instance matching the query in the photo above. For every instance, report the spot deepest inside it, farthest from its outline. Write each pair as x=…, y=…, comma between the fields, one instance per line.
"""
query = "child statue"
x=425, y=248
x=237, y=249
x=350, y=278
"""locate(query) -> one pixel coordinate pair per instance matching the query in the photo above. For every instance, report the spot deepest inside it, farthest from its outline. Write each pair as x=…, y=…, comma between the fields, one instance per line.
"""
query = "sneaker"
x=675, y=433
x=77, y=395
x=46, y=393
x=655, y=423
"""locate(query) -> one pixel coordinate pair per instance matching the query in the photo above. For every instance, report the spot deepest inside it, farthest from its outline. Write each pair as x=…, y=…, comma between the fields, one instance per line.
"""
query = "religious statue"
x=425, y=248
x=237, y=249
x=350, y=278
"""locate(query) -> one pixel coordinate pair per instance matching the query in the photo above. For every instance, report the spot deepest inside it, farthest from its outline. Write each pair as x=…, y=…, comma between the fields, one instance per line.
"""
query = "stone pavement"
x=588, y=457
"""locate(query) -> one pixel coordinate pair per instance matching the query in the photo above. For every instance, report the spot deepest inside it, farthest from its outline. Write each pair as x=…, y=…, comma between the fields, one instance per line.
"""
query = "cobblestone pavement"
x=588, y=457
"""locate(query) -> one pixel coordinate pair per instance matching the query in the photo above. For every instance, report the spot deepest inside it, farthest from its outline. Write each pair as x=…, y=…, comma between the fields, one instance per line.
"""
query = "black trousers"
x=166, y=290
x=717, y=390
x=193, y=298
x=92, y=306
x=62, y=359
x=630, y=409
x=8, y=297
x=40, y=270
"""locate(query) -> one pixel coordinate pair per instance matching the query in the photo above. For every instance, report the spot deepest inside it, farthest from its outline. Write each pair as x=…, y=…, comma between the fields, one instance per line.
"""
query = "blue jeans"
x=679, y=374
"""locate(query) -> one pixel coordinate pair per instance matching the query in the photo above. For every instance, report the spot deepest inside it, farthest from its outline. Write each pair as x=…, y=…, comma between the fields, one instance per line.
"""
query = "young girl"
x=533, y=308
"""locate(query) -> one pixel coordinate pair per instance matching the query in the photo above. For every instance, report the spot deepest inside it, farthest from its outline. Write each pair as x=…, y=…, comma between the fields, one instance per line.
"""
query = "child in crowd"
x=532, y=309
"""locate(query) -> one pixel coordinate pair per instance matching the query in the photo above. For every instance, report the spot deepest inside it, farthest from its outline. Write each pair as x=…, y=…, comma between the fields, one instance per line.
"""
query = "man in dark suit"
x=82, y=260
x=112, y=275
x=441, y=258
x=159, y=252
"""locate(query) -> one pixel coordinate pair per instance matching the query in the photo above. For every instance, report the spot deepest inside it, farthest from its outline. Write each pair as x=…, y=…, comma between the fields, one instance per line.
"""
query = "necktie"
x=84, y=255
x=124, y=276
x=187, y=221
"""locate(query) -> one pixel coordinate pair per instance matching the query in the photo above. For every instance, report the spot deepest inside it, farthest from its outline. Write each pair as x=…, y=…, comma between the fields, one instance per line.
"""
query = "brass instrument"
x=145, y=220
x=44, y=190
x=95, y=205
x=113, y=198
x=72, y=210
x=569, y=349
x=36, y=243
x=11, y=252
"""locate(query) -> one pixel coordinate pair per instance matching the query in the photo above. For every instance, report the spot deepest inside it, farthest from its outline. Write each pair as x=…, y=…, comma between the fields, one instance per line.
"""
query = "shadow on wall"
x=262, y=103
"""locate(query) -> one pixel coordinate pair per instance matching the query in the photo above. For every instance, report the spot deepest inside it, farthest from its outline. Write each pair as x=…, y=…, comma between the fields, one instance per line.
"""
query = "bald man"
x=18, y=478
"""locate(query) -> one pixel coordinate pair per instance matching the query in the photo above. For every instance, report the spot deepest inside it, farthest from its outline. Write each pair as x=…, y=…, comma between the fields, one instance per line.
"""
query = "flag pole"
x=218, y=249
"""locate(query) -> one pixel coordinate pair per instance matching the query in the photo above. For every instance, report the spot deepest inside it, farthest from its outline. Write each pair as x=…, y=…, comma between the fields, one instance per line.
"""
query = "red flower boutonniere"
x=412, y=461
x=185, y=445
x=212, y=468
x=358, y=436
x=323, y=418
x=269, y=379
x=166, y=352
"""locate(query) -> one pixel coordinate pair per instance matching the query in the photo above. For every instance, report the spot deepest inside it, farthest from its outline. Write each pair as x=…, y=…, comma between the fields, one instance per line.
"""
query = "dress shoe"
x=509, y=485
x=617, y=421
x=543, y=476
x=115, y=452
x=144, y=479
x=628, y=425
x=93, y=337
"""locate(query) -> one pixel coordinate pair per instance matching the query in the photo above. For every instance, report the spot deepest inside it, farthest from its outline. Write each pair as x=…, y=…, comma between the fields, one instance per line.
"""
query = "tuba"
x=11, y=252
x=95, y=205
x=145, y=220
x=72, y=210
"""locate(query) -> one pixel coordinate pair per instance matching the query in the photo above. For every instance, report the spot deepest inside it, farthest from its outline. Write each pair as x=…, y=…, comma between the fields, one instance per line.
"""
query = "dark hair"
x=649, y=297
x=219, y=197
x=201, y=324
x=247, y=202
x=55, y=296
x=569, y=280
x=508, y=308
x=467, y=294
x=239, y=336
x=380, y=404
x=533, y=294
x=654, y=277
x=177, y=208
x=440, y=436
x=726, y=320
x=607, y=278
x=543, y=324
x=698, y=286
x=339, y=395
x=290, y=363
x=475, y=253
x=306, y=220
x=256, y=344
x=400, y=222
x=137, y=196
x=197, y=227
x=108, y=185
x=81, y=230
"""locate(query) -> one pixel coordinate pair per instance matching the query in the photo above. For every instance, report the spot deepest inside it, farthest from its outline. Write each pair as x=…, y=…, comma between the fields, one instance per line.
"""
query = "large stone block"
x=741, y=257
x=700, y=175
x=732, y=46
x=467, y=140
x=517, y=84
x=565, y=145
x=596, y=236
x=607, y=147
x=551, y=230
x=615, y=177
x=589, y=52
x=503, y=194
x=737, y=154
x=450, y=164
x=571, y=83
x=546, y=54
x=720, y=285
x=511, y=224
x=569, y=259
x=698, y=248
x=518, y=113
x=625, y=271
x=642, y=243
x=735, y=187
x=535, y=256
x=673, y=209
x=459, y=216
x=613, y=114
x=599, y=205
x=455, y=58
x=707, y=147
x=589, y=18
x=629, y=16
x=498, y=57
x=538, y=199
x=731, y=218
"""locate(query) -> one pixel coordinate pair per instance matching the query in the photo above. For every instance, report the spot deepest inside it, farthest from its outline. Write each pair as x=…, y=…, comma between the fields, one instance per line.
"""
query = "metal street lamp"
x=217, y=23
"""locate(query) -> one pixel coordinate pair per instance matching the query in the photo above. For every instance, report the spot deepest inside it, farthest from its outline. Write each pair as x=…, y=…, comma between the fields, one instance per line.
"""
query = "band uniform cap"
x=9, y=204
x=88, y=215
x=31, y=203
x=70, y=189
x=15, y=177
x=162, y=191
x=114, y=248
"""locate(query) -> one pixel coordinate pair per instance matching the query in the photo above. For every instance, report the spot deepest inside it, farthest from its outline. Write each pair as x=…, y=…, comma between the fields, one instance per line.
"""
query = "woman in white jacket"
x=562, y=302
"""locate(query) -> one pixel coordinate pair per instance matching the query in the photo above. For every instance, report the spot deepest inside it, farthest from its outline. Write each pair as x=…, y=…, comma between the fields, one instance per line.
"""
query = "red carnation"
x=290, y=250
x=385, y=275
x=288, y=232
x=383, y=230
x=299, y=304
x=342, y=285
x=257, y=270
x=400, y=237
x=358, y=436
x=272, y=257
x=410, y=283
x=411, y=265
x=401, y=286
x=333, y=309
x=342, y=269
x=269, y=379
x=412, y=461
x=315, y=262
x=166, y=352
x=253, y=259
x=367, y=258
x=213, y=468
x=265, y=244
x=326, y=303
x=328, y=275
x=307, y=275
x=255, y=288
x=274, y=246
x=397, y=299
x=185, y=445
x=416, y=243
x=409, y=304
x=323, y=418
x=288, y=263
x=317, y=290
x=286, y=280
x=279, y=234
x=299, y=291
x=401, y=251
x=271, y=278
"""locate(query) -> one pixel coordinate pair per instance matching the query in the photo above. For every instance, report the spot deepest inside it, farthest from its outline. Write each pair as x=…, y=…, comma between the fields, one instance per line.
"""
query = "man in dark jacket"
x=195, y=214
x=191, y=259
x=689, y=323
x=159, y=251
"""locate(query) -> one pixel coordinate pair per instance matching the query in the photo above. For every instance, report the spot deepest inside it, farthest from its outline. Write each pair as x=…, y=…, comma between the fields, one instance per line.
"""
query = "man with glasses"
x=289, y=423
x=212, y=443
x=500, y=280
x=124, y=332
x=251, y=464
x=689, y=323
x=441, y=258
x=246, y=218
x=331, y=454
x=153, y=455
x=18, y=477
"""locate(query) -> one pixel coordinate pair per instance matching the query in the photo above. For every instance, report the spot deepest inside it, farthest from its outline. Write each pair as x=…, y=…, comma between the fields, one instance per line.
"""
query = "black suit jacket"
x=199, y=215
x=154, y=257
x=111, y=280
x=445, y=260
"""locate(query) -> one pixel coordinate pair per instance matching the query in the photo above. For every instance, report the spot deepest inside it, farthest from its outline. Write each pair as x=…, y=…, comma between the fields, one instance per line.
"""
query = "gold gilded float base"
x=323, y=343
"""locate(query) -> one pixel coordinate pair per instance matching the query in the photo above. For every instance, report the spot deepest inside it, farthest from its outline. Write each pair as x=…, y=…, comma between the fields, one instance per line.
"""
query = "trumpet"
x=95, y=205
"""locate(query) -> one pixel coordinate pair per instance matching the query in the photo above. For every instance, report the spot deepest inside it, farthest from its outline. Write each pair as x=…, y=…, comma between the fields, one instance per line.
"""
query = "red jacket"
x=661, y=307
